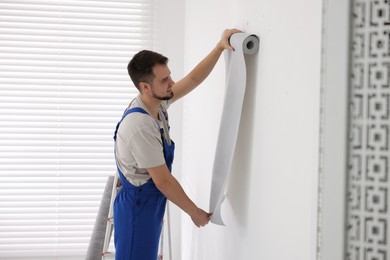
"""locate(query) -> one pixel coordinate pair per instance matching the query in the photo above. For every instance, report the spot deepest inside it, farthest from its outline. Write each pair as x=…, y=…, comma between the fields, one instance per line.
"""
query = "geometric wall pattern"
x=368, y=201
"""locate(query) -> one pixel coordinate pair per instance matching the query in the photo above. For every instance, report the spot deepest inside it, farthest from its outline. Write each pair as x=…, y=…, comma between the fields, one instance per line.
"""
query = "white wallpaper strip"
x=230, y=120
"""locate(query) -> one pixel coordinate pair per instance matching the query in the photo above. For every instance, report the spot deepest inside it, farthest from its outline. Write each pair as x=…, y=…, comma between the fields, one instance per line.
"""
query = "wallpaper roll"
x=95, y=247
x=230, y=120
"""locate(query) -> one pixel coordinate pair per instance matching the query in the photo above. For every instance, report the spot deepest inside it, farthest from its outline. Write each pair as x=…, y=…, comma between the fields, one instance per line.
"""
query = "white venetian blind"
x=63, y=87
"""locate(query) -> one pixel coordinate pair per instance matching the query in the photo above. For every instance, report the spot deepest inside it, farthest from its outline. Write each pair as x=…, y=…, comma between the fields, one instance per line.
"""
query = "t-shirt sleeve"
x=147, y=149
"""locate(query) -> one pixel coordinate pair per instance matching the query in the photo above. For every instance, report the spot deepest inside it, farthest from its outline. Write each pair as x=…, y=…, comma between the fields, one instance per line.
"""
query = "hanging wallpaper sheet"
x=230, y=120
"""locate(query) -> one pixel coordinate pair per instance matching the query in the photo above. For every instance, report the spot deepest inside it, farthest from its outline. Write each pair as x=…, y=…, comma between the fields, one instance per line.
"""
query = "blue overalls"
x=139, y=211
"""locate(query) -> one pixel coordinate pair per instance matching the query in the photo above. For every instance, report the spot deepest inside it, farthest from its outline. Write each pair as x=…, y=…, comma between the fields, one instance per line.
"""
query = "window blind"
x=63, y=87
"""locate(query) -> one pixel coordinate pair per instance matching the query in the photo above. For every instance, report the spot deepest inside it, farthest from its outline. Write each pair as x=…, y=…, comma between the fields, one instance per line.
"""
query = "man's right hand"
x=200, y=217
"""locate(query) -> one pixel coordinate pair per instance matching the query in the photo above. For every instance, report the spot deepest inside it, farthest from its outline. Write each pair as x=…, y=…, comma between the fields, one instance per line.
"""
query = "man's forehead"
x=161, y=71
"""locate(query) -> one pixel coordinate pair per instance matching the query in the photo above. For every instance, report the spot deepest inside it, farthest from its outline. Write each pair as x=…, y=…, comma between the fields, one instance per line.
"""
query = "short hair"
x=140, y=67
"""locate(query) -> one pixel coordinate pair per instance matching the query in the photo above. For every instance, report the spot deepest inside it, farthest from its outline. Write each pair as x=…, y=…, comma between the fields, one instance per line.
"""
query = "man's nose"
x=171, y=82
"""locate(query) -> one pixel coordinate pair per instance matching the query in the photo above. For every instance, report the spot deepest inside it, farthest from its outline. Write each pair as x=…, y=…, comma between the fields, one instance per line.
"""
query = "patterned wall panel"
x=368, y=218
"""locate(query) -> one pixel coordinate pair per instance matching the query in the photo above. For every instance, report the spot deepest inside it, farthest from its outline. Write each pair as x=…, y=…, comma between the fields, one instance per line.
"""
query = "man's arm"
x=171, y=188
x=203, y=69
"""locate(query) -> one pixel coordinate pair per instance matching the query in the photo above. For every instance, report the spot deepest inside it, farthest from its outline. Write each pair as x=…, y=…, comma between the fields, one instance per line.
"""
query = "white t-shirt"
x=138, y=142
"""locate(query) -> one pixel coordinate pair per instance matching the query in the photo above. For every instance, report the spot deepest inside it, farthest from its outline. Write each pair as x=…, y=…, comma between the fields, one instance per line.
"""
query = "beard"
x=167, y=97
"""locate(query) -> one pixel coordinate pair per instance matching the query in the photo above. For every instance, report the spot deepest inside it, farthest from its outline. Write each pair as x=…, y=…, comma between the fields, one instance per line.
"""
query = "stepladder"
x=166, y=227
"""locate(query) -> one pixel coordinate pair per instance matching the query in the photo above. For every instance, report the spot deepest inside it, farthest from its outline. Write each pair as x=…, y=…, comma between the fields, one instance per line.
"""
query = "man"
x=144, y=153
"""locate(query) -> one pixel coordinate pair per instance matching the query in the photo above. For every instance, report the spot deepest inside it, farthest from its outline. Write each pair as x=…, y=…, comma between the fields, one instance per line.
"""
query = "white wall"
x=272, y=196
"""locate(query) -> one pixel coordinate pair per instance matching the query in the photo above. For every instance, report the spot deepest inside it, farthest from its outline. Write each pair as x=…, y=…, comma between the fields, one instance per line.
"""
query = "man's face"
x=162, y=82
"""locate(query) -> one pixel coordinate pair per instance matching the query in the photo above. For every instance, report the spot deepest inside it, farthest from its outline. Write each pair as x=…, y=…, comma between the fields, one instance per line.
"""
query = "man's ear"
x=143, y=86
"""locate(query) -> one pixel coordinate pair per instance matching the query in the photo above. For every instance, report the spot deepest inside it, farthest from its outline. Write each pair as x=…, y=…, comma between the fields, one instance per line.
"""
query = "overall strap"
x=128, y=111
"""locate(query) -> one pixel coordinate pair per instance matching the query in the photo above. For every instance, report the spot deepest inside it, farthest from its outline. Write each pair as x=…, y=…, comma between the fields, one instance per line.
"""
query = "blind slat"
x=120, y=91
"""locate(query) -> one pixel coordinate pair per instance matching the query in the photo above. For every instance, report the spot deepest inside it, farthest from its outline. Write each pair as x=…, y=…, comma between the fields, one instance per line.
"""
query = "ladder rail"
x=110, y=219
x=169, y=232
